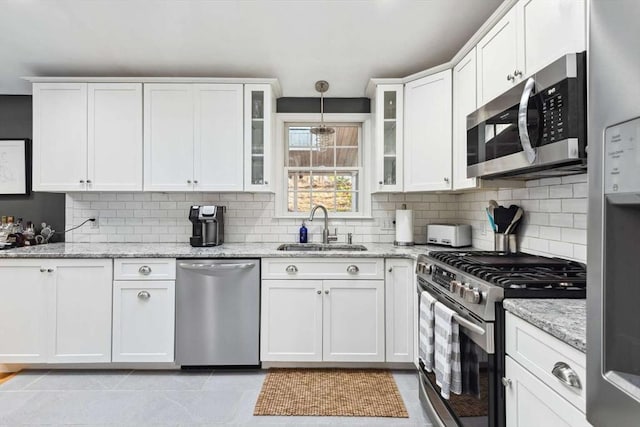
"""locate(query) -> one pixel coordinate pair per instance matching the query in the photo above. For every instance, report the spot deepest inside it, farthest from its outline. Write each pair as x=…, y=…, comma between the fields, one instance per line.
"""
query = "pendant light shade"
x=324, y=135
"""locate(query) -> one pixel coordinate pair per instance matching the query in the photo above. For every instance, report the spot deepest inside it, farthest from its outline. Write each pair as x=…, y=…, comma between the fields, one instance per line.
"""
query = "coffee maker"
x=208, y=225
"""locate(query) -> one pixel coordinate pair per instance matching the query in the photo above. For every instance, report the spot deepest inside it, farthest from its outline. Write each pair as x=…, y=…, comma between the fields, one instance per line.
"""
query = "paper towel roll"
x=404, y=227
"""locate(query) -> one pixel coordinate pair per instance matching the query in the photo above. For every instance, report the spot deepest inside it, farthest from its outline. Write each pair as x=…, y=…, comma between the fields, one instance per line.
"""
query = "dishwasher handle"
x=215, y=268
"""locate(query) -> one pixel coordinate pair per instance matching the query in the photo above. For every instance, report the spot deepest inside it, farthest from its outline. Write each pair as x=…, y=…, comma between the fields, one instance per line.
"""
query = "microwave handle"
x=525, y=141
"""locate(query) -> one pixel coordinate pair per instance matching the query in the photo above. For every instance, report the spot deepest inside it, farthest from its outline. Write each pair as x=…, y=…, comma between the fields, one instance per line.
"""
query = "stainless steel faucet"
x=326, y=236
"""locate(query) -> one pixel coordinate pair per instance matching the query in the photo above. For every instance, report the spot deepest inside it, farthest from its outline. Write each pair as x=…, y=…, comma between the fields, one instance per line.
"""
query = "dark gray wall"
x=15, y=123
x=331, y=105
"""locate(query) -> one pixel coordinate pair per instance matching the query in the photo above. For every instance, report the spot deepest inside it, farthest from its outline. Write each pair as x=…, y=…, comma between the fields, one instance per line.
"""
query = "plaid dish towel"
x=425, y=340
x=447, y=351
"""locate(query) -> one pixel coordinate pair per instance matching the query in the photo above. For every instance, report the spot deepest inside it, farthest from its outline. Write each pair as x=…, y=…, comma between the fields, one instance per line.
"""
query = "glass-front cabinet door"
x=388, y=121
x=258, y=105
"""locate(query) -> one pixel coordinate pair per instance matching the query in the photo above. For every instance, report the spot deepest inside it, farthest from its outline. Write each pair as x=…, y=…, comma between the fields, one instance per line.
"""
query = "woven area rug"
x=330, y=392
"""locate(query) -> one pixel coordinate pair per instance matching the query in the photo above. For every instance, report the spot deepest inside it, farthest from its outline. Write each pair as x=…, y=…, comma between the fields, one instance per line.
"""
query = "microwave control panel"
x=555, y=110
x=622, y=157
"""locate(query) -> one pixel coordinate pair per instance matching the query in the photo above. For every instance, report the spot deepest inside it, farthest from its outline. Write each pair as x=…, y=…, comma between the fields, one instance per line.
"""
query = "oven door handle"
x=525, y=140
x=465, y=323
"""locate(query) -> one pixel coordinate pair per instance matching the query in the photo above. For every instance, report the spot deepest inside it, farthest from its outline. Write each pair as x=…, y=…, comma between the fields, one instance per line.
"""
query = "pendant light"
x=324, y=135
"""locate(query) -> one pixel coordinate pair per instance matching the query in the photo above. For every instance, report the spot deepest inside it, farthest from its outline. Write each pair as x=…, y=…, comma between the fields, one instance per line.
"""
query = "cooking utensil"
x=514, y=221
x=491, y=221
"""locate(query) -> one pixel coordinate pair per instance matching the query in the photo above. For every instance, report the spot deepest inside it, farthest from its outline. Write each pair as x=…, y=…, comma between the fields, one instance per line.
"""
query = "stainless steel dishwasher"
x=217, y=312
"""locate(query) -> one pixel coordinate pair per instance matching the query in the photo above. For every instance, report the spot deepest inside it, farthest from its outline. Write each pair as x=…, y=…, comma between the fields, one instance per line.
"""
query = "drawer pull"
x=144, y=295
x=145, y=269
x=292, y=269
x=352, y=269
x=566, y=375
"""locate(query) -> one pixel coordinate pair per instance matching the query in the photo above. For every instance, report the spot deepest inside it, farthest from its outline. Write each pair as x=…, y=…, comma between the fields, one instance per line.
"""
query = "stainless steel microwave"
x=535, y=129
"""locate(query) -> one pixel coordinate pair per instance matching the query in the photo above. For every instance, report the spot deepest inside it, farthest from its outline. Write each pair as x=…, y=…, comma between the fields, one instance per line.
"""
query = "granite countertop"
x=227, y=250
x=565, y=319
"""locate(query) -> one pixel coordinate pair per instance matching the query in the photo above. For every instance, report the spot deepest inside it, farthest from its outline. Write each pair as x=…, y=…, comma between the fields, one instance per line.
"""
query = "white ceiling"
x=345, y=42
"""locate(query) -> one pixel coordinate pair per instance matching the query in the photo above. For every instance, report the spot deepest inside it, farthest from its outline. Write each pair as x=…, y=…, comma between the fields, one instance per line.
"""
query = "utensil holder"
x=505, y=242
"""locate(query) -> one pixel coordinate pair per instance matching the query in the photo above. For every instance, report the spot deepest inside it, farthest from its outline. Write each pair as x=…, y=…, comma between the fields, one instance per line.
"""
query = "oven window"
x=472, y=406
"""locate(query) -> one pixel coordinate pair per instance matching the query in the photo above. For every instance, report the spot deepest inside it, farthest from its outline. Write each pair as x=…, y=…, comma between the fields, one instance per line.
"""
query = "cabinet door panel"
x=168, y=137
x=219, y=152
x=497, y=58
x=23, y=296
x=291, y=326
x=59, y=136
x=81, y=311
x=399, y=296
x=115, y=137
x=464, y=103
x=258, y=108
x=388, y=112
x=143, y=321
x=427, y=137
x=353, y=317
x=530, y=403
x=548, y=30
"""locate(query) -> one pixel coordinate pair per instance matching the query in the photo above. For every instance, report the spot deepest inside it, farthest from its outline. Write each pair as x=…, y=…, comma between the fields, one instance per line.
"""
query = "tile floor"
x=178, y=398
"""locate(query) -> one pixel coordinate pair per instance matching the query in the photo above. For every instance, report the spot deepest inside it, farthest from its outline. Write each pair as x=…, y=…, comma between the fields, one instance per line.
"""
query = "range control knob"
x=464, y=287
x=424, y=268
x=454, y=285
x=473, y=296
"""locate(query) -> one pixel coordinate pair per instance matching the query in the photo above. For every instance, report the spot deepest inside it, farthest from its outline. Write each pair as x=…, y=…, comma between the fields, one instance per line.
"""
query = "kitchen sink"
x=319, y=247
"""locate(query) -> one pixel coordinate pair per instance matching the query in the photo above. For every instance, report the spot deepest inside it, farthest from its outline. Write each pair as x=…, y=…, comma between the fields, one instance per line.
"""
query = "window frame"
x=365, y=149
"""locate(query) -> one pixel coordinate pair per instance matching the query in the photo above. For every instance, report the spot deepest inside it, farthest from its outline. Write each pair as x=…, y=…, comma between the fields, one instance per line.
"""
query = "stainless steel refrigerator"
x=613, y=284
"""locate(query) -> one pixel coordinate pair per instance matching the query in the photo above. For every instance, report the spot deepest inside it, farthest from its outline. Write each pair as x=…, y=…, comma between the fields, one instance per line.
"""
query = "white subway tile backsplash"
x=574, y=205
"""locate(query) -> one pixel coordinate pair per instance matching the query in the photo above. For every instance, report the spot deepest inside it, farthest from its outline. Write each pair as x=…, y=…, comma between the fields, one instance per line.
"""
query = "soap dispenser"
x=303, y=233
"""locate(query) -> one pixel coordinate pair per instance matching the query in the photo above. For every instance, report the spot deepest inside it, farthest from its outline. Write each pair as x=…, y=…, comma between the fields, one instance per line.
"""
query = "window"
x=330, y=176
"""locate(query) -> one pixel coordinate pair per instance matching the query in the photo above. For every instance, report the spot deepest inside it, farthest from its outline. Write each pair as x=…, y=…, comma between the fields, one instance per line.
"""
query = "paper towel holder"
x=408, y=233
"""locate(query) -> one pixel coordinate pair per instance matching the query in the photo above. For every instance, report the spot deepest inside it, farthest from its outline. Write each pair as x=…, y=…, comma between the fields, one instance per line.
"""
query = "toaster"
x=454, y=235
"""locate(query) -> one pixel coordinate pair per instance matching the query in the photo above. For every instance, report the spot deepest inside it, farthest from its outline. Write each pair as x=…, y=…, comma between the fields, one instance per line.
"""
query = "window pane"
x=323, y=158
x=345, y=182
x=347, y=157
x=325, y=198
x=347, y=136
x=324, y=181
x=299, y=181
x=299, y=158
x=345, y=201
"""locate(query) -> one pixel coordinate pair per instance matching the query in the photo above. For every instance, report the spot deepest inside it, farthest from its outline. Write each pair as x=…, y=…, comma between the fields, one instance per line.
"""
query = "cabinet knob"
x=326, y=292
x=144, y=295
x=292, y=269
x=380, y=182
x=50, y=270
x=82, y=181
x=319, y=292
x=195, y=181
x=510, y=77
x=88, y=181
x=145, y=269
x=506, y=382
x=390, y=269
x=517, y=73
x=352, y=269
x=446, y=179
x=188, y=181
x=266, y=183
x=43, y=270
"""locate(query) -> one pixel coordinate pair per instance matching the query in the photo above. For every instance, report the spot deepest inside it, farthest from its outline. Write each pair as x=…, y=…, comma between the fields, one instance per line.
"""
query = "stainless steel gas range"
x=473, y=284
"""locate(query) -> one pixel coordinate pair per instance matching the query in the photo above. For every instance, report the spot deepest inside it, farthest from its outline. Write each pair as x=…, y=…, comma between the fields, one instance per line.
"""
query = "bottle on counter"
x=303, y=233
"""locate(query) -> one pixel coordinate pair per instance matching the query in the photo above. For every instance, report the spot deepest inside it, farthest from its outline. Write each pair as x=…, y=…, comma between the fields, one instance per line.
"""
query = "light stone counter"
x=565, y=319
x=227, y=250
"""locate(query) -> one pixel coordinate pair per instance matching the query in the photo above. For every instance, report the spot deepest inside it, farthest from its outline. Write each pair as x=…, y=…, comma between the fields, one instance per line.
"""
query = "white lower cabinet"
x=534, y=395
x=313, y=320
x=399, y=300
x=55, y=311
x=143, y=321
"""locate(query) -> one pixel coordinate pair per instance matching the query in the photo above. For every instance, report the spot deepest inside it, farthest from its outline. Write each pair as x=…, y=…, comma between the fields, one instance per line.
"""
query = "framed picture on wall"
x=15, y=165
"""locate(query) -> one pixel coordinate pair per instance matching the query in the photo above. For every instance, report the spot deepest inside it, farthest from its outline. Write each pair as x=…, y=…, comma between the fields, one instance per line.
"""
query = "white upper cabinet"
x=427, y=133
x=193, y=137
x=464, y=103
x=114, y=137
x=530, y=36
x=59, y=136
x=218, y=148
x=258, y=109
x=387, y=111
x=549, y=29
x=87, y=136
x=497, y=58
x=168, y=137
